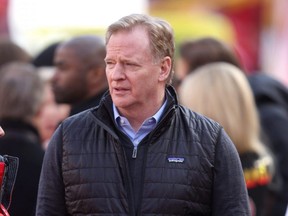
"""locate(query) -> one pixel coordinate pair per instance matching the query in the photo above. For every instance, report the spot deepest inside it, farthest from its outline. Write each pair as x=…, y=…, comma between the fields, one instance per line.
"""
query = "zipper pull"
x=134, y=154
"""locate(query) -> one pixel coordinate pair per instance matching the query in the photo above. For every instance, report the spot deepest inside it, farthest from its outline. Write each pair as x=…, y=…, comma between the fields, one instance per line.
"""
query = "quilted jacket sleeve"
x=229, y=189
x=51, y=196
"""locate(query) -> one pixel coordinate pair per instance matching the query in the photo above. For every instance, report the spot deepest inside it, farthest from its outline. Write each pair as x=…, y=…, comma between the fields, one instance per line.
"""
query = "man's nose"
x=118, y=72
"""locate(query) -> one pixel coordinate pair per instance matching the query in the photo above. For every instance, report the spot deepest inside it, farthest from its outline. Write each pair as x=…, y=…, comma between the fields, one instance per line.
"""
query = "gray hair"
x=160, y=32
x=21, y=91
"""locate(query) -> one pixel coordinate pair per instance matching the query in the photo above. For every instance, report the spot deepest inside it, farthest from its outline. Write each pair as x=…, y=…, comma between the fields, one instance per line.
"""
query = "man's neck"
x=136, y=116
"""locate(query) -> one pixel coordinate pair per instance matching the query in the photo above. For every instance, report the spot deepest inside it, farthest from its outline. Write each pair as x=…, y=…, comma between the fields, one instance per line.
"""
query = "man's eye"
x=130, y=64
x=109, y=64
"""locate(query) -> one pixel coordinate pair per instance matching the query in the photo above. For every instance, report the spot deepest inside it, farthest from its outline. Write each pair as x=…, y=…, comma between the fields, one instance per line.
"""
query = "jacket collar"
x=104, y=112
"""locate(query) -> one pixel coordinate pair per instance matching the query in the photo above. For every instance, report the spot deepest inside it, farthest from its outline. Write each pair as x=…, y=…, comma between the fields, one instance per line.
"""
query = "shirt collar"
x=156, y=116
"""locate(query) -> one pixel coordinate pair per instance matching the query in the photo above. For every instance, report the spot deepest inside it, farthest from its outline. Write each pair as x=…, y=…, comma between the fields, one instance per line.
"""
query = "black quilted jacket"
x=186, y=166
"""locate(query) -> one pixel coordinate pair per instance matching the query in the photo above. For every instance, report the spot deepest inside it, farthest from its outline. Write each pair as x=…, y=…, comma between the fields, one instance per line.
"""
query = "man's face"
x=132, y=74
x=69, y=80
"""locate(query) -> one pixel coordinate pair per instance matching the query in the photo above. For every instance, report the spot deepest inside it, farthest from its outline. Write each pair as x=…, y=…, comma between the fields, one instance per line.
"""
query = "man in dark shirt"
x=79, y=78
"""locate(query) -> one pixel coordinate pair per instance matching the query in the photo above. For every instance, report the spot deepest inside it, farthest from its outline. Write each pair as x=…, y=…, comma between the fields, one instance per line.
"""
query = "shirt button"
x=122, y=121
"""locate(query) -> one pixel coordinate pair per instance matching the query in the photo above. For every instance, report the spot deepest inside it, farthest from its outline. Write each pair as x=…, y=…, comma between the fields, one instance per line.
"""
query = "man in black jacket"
x=140, y=152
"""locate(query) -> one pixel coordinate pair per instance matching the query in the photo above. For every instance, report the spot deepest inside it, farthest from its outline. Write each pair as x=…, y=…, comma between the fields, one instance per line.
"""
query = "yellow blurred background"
x=257, y=28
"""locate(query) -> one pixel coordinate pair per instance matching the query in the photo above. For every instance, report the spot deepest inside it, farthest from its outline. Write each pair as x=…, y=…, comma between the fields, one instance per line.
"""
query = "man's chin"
x=120, y=103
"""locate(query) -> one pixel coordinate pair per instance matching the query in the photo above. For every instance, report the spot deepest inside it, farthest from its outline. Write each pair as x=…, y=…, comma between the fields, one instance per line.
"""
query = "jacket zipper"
x=134, y=154
x=127, y=180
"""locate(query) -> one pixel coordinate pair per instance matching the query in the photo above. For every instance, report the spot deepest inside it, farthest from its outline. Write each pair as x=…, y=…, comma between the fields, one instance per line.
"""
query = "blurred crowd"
x=38, y=92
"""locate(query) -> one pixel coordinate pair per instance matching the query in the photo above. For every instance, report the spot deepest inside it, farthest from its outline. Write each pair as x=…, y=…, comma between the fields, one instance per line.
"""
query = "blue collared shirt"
x=147, y=126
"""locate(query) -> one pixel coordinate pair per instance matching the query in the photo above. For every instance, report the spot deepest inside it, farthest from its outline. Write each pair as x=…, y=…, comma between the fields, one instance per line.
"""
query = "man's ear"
x=166, y=65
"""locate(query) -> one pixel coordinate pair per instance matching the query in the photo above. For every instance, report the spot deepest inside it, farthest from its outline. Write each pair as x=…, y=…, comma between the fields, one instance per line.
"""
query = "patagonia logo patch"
x=175, y=160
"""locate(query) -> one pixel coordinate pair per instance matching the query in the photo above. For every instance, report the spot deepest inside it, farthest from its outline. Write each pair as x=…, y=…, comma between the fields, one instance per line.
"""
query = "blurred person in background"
x=79, y=79
x=271, y=98
x=3, y=179
x=10, y=51
x=221, y=91
x=45, y=58
x=21, y=99
x=139, y=152
x=197, y=52
x=52, y=112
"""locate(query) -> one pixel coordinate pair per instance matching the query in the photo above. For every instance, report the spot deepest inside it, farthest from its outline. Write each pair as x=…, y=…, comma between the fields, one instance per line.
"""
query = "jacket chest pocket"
x=179, y=176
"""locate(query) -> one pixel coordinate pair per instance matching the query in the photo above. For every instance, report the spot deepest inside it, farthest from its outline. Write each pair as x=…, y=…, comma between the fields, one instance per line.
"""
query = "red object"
x=247, y=25
x=4, y=29
x=3, y=211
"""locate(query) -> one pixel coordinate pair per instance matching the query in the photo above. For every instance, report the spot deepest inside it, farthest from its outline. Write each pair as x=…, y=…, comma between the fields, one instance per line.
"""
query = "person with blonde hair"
x=222, y=92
